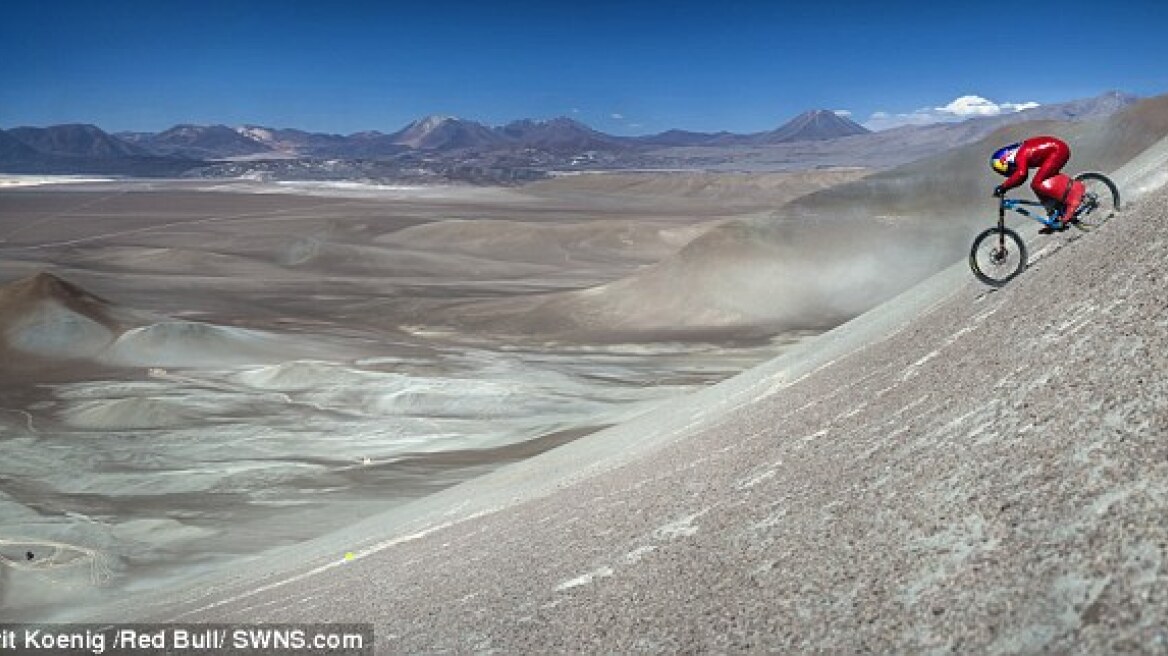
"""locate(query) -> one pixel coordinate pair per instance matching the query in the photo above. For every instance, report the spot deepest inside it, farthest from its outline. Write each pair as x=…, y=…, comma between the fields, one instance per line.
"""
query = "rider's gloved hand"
x=999, y=192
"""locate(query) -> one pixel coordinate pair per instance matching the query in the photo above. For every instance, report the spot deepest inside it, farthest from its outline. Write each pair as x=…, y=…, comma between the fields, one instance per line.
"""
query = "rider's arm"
x=1021, y=170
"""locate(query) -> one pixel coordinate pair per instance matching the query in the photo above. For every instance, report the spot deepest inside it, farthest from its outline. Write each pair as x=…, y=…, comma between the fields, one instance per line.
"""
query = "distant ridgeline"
x=442, y=148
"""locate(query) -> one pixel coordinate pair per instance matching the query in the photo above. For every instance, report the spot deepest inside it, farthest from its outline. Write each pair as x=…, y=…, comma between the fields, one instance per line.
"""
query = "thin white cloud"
x=1017, y=107
x=961, y=108
x=846, y=113
x=617, y=116
x=966, y=106
x=887, y=120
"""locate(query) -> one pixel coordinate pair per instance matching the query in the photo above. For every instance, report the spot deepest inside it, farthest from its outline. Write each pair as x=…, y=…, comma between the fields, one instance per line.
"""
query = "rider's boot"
x=1054, y=226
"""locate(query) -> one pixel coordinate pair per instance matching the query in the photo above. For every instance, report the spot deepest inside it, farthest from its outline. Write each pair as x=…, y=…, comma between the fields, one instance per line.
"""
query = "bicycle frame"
x=1018, y=205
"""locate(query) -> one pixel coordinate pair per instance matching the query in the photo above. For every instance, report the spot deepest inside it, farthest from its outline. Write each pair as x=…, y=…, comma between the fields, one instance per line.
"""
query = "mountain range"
x=433, y=133
x=546, y=143
x=445, y=134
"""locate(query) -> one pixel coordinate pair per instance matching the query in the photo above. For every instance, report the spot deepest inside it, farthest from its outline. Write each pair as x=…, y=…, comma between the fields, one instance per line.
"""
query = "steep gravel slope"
x=961, y=470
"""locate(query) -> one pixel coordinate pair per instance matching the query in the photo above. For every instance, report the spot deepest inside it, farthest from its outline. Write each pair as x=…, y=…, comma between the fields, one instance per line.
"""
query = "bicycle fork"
x=1001, y=254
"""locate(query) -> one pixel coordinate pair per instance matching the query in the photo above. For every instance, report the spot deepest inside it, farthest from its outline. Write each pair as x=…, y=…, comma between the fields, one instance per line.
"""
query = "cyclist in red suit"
x=1049, y=155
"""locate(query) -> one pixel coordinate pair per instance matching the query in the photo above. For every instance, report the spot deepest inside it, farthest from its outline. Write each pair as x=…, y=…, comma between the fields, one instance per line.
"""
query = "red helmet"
x=1002, y=160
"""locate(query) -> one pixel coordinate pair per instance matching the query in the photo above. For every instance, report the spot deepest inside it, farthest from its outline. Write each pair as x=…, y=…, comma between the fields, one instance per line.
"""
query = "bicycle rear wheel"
x=997, y=255
x=1100, y=200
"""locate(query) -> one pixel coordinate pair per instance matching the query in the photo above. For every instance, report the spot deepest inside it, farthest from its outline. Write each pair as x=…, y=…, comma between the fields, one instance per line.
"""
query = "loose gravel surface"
x=986, y=474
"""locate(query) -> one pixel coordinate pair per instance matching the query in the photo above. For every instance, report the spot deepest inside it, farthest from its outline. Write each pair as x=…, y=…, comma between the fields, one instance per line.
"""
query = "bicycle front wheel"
x=1100, y=200
x=997, y=255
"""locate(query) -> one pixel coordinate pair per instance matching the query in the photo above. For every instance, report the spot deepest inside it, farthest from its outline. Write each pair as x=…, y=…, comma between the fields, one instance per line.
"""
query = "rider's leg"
x=1050, y=185
x=1063, y=189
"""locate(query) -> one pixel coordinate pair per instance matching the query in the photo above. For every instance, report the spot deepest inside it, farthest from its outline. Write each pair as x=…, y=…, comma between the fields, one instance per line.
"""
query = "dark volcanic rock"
x=559, y=134
x=816, y=125
x=76, y=140
x=447, y=133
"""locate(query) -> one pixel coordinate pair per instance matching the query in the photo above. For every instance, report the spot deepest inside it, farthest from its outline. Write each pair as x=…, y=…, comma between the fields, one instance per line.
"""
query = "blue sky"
x=623, y=67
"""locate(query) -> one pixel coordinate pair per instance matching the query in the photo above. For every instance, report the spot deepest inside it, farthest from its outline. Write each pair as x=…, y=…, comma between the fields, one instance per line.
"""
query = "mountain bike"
x=999, y=254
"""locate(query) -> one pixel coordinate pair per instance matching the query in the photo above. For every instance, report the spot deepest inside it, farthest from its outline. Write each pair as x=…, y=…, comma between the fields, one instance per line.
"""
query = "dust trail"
x=824, y=257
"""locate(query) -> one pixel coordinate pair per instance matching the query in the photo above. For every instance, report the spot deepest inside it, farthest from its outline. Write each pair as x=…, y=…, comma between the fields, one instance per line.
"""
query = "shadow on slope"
x=46, y=318
x=49, y=324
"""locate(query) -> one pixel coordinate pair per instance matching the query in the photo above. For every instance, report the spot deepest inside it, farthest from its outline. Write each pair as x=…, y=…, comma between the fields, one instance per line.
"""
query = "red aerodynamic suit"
x=1049, y=155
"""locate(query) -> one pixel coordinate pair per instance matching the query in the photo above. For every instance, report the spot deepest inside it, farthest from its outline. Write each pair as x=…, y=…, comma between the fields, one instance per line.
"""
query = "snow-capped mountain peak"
x=260, y=134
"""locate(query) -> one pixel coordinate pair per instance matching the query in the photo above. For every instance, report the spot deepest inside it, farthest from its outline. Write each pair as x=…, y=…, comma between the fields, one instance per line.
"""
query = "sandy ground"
x=961, y=470
x=194, y=372
x=248, y=240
